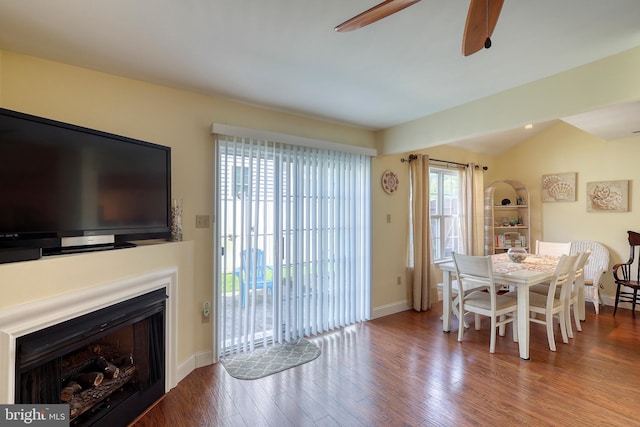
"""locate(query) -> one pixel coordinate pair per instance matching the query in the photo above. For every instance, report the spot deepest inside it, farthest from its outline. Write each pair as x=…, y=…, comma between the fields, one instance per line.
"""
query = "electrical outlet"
x=206, y=308
x=388, y=218
x=202, y=221
x=399, y=280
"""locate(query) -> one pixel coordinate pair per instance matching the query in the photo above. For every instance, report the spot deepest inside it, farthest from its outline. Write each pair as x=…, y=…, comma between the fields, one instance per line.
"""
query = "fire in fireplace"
x=108, y=365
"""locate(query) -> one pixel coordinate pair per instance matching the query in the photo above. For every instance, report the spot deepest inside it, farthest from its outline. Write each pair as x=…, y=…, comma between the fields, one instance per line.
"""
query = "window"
x=240, y=180
x=445, y=210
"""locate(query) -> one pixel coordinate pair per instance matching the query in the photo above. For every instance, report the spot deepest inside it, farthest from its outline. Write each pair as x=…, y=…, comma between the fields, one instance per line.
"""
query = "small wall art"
x=559, y=187
x=390, y=182
x=608, y=196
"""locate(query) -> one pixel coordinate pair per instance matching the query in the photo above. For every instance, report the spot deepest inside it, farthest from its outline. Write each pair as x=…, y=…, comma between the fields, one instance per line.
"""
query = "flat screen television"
x=66, y=188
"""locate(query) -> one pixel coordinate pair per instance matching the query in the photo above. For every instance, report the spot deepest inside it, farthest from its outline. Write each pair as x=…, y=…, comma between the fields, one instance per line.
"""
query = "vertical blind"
x=308, y=211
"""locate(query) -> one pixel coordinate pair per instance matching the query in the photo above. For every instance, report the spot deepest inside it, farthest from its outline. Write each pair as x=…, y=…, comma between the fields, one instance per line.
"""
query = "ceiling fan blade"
x=376, y=13
x=481, y=21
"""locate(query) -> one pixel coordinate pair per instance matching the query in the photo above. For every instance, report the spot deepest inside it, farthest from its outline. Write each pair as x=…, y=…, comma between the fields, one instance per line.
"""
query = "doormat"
x=262, y=362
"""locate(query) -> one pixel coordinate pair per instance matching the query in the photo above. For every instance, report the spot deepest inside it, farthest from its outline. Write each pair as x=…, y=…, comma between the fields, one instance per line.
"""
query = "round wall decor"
x=389, y=182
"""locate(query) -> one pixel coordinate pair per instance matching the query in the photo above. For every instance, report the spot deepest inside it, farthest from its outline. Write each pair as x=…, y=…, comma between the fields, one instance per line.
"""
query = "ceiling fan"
x=481, y=21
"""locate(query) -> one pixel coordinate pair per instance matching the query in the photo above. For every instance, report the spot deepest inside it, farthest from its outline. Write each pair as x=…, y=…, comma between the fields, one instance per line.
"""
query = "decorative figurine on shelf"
x=520, y=201
x=176, y=220
x=506, y=202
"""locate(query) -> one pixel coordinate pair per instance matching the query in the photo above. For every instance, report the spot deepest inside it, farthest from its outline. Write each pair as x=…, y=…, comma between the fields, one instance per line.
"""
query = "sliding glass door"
x=294, y=233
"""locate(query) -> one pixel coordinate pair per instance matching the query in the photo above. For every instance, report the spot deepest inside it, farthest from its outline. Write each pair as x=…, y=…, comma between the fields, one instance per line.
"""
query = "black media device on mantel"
x=19, y=254
x=66, y=188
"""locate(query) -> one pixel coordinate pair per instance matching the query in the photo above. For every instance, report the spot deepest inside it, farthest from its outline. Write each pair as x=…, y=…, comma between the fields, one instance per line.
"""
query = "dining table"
x=533, y=270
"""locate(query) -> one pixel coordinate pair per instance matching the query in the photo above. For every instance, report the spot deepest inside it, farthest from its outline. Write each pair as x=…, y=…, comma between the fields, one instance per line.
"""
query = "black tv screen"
x=60, y=181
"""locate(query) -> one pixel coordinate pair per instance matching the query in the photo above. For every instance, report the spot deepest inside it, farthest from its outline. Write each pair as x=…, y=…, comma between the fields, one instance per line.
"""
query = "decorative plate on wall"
x=389, y=182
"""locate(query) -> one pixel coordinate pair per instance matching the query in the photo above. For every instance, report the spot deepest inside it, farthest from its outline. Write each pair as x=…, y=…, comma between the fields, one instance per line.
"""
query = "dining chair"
x=627, y=275
x=478, y=271
x=548, y=304
x=573, y=296
x=253, y=273
x=467, y=287
x=576, y=290
x=597, y=265
x=552, y=248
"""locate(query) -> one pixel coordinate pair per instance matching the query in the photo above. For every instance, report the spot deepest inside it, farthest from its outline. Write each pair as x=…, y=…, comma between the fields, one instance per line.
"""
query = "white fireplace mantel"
x=30, y=317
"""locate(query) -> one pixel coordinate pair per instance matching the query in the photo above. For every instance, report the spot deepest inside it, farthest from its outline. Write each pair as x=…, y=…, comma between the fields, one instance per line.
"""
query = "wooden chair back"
x=630, y=270
x=627, y=275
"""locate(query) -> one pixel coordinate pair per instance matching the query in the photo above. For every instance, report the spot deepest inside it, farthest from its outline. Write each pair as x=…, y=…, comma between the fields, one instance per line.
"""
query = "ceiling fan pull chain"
x=487, y=42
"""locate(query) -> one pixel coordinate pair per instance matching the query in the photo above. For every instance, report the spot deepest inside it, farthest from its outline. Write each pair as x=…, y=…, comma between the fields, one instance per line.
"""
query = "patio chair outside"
x=253, y=263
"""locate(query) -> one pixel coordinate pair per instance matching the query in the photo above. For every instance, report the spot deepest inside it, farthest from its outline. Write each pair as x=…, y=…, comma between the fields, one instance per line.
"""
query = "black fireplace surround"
x=131, y=334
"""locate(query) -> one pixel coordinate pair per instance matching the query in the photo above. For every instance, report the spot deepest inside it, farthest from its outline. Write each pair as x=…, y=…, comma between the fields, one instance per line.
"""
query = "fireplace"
x=107, y=365
x=108, y=351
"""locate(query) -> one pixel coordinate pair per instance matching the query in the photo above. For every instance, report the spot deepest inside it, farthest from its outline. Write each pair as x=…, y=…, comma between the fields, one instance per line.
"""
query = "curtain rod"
x=413, y=157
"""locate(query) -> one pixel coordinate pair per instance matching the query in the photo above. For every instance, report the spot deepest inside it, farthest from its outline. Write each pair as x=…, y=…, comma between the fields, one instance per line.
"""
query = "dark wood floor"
x=402, y=370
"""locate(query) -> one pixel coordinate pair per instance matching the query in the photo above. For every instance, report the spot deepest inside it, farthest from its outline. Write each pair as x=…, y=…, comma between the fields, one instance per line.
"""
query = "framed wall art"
x=559, y=187
x=608, y=196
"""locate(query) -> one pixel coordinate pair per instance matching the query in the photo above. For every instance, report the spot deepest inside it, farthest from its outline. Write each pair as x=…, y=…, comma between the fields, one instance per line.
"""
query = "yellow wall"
x=559, y=149
x=182, y=120
x=563, y=148
x=179, y=119
x=389, y=252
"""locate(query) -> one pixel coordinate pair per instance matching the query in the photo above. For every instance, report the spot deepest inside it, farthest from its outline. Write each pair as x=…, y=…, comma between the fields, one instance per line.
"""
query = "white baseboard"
x=388, y=309
x=610, y=300
x=186, y=368
x=197, y=360
x=204, y=358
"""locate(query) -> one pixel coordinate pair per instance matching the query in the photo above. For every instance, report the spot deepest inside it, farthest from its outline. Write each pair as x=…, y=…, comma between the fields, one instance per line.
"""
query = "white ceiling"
x=285, y=55
x=618, y=121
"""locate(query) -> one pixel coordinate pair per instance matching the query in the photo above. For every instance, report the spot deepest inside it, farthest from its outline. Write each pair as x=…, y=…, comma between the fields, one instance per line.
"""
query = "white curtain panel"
x=301, y=218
